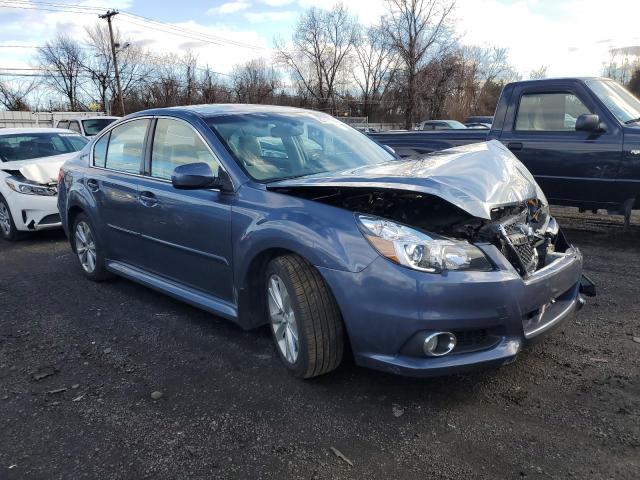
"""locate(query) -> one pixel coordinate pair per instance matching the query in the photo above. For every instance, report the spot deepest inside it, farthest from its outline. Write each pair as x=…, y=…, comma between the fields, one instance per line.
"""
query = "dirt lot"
x=78, y=362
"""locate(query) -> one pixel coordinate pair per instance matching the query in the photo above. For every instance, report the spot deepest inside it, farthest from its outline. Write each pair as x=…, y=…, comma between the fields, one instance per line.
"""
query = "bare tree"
x=539, y=73
x=99, y=64
x=63, y=60
x=254, y=81
x=376, y=63
x=211, y=88
x=133, y=62
x=321, y=45
x=416, y=29
x=13, y=96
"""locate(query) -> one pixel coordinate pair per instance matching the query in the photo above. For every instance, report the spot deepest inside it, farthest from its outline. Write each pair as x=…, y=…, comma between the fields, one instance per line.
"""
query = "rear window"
x=14, y=147
x=94, y=126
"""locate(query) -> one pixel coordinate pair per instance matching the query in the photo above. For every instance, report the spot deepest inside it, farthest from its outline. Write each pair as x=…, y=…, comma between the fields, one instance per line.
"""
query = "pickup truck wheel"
x=88, y=249
x=7, y=226
x=304, y=317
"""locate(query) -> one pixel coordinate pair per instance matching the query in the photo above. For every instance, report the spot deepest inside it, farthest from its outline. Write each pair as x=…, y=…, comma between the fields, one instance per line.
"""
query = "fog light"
x=439, y=343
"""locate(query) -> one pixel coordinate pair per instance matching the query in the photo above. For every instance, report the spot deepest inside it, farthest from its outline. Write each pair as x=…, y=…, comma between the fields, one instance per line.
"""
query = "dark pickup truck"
x=579, y=137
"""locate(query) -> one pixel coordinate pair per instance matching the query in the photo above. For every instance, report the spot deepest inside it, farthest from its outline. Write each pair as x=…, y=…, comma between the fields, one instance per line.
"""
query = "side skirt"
x=188, y=295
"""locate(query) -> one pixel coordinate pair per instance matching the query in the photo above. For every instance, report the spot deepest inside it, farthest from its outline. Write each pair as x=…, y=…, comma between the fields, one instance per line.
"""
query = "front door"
x=572, y=167
x=187, y=233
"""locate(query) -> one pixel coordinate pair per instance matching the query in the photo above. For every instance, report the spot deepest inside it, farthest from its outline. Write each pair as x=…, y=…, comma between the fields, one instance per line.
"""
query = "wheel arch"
x=251, y=299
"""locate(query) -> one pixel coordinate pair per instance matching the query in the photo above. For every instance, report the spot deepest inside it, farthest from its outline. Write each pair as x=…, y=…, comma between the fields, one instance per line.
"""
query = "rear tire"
x=305, y=320
x=7, y=225
x=88, y=249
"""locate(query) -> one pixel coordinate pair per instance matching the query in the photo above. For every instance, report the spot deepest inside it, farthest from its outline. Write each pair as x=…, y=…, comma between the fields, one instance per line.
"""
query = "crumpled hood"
x=41, y=170
x=476, y=178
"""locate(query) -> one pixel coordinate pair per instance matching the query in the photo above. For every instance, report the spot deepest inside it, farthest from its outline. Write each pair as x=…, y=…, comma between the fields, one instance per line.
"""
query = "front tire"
x=7, y=225
x=304, y=317
x=88, y=249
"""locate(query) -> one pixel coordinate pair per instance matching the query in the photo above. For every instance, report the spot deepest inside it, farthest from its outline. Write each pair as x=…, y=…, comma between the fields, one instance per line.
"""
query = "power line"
x=54, y=4
x=133, y=19
x=185, y=31
x=27, y=7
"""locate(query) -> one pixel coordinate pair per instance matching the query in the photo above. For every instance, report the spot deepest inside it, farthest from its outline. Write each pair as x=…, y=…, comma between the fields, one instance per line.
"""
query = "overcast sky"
x=571, y=37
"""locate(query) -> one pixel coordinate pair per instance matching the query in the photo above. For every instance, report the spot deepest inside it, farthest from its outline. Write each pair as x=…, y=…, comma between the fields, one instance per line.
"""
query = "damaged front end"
x=19, y=184
x=32, y=192
x=525, y=233
x=448, y=202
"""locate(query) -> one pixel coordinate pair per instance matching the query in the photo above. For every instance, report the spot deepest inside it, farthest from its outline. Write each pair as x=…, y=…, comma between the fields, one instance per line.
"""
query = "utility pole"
x=108, y=16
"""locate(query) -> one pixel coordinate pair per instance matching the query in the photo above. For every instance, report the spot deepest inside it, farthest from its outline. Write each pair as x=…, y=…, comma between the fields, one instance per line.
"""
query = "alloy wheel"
x=5, y=219
x=85, y=247
x=283, y=319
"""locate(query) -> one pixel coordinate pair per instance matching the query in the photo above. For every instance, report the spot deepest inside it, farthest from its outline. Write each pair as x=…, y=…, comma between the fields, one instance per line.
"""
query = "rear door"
x=117, y=165
x=572, y=167
x=186, y=233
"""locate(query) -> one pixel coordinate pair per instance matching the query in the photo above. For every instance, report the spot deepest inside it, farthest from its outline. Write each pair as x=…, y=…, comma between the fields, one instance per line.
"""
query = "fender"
x=324, y=236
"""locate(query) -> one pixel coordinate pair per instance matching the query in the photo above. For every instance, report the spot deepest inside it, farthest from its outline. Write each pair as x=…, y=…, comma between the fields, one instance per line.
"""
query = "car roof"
x=91, y=117
x=218, y=109
x=558, y=79
x=27, y=130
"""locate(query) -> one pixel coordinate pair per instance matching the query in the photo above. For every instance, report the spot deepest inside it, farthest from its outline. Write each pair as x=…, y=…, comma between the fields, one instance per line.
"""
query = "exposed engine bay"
x=524, y=232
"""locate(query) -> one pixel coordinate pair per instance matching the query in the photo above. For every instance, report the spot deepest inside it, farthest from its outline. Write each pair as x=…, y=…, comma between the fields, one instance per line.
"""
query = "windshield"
x=618, y=100
x=274, y=146
x=456, y=125
x=96, y=125
x=25, y=146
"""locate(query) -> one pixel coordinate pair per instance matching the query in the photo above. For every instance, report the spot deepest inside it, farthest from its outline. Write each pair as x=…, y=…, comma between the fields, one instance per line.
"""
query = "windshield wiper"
x=633, y=120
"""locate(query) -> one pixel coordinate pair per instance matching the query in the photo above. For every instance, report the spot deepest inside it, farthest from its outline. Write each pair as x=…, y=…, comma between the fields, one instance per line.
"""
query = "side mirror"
x=589, y=122
x=196, y=176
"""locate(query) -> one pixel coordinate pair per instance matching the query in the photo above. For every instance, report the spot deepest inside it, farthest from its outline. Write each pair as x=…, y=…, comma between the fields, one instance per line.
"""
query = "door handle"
x=514, y=146
x=148, y=199
x=92, y=184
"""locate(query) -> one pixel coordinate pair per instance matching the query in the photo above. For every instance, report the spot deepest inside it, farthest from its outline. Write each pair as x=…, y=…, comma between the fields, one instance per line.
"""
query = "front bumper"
x=33, y=212
x=387, y=309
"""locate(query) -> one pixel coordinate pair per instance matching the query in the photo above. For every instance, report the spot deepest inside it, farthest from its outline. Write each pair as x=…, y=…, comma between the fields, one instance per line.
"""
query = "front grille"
x=520, y=245
x=517, y=243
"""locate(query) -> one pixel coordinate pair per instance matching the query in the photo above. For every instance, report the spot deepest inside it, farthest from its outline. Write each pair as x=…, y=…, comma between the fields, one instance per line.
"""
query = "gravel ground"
x=79, y=362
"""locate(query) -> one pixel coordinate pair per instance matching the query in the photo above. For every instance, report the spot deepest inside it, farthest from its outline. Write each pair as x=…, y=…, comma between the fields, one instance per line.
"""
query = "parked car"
x=478, y=125
x=579, y=137
x=87, y=126
x=483, y=119
x=425, y=267
x=441, y=125
x=30, y=159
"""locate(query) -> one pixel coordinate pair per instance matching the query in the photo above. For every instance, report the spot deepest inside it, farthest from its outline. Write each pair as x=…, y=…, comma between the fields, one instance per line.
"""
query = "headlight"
x=419, y=251
x=31, y=188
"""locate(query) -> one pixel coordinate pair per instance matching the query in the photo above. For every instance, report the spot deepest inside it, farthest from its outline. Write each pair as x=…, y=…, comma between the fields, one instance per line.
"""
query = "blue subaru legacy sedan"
x=290, y=218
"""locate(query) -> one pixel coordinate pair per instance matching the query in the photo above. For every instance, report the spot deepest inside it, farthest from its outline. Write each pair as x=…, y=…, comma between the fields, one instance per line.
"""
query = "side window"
x=176, y=143
x=63, y=124
x=549, y=112
x=126, y=146
x=100, y=151
x=74, y=126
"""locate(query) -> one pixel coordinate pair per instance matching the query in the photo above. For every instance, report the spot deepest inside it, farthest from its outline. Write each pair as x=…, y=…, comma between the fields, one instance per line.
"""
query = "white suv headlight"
x=31, y=188
x=419, y=251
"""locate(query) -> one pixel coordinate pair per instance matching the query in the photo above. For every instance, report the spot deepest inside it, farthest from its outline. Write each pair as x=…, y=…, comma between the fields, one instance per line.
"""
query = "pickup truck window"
x=549, y=112
x=618, y=100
